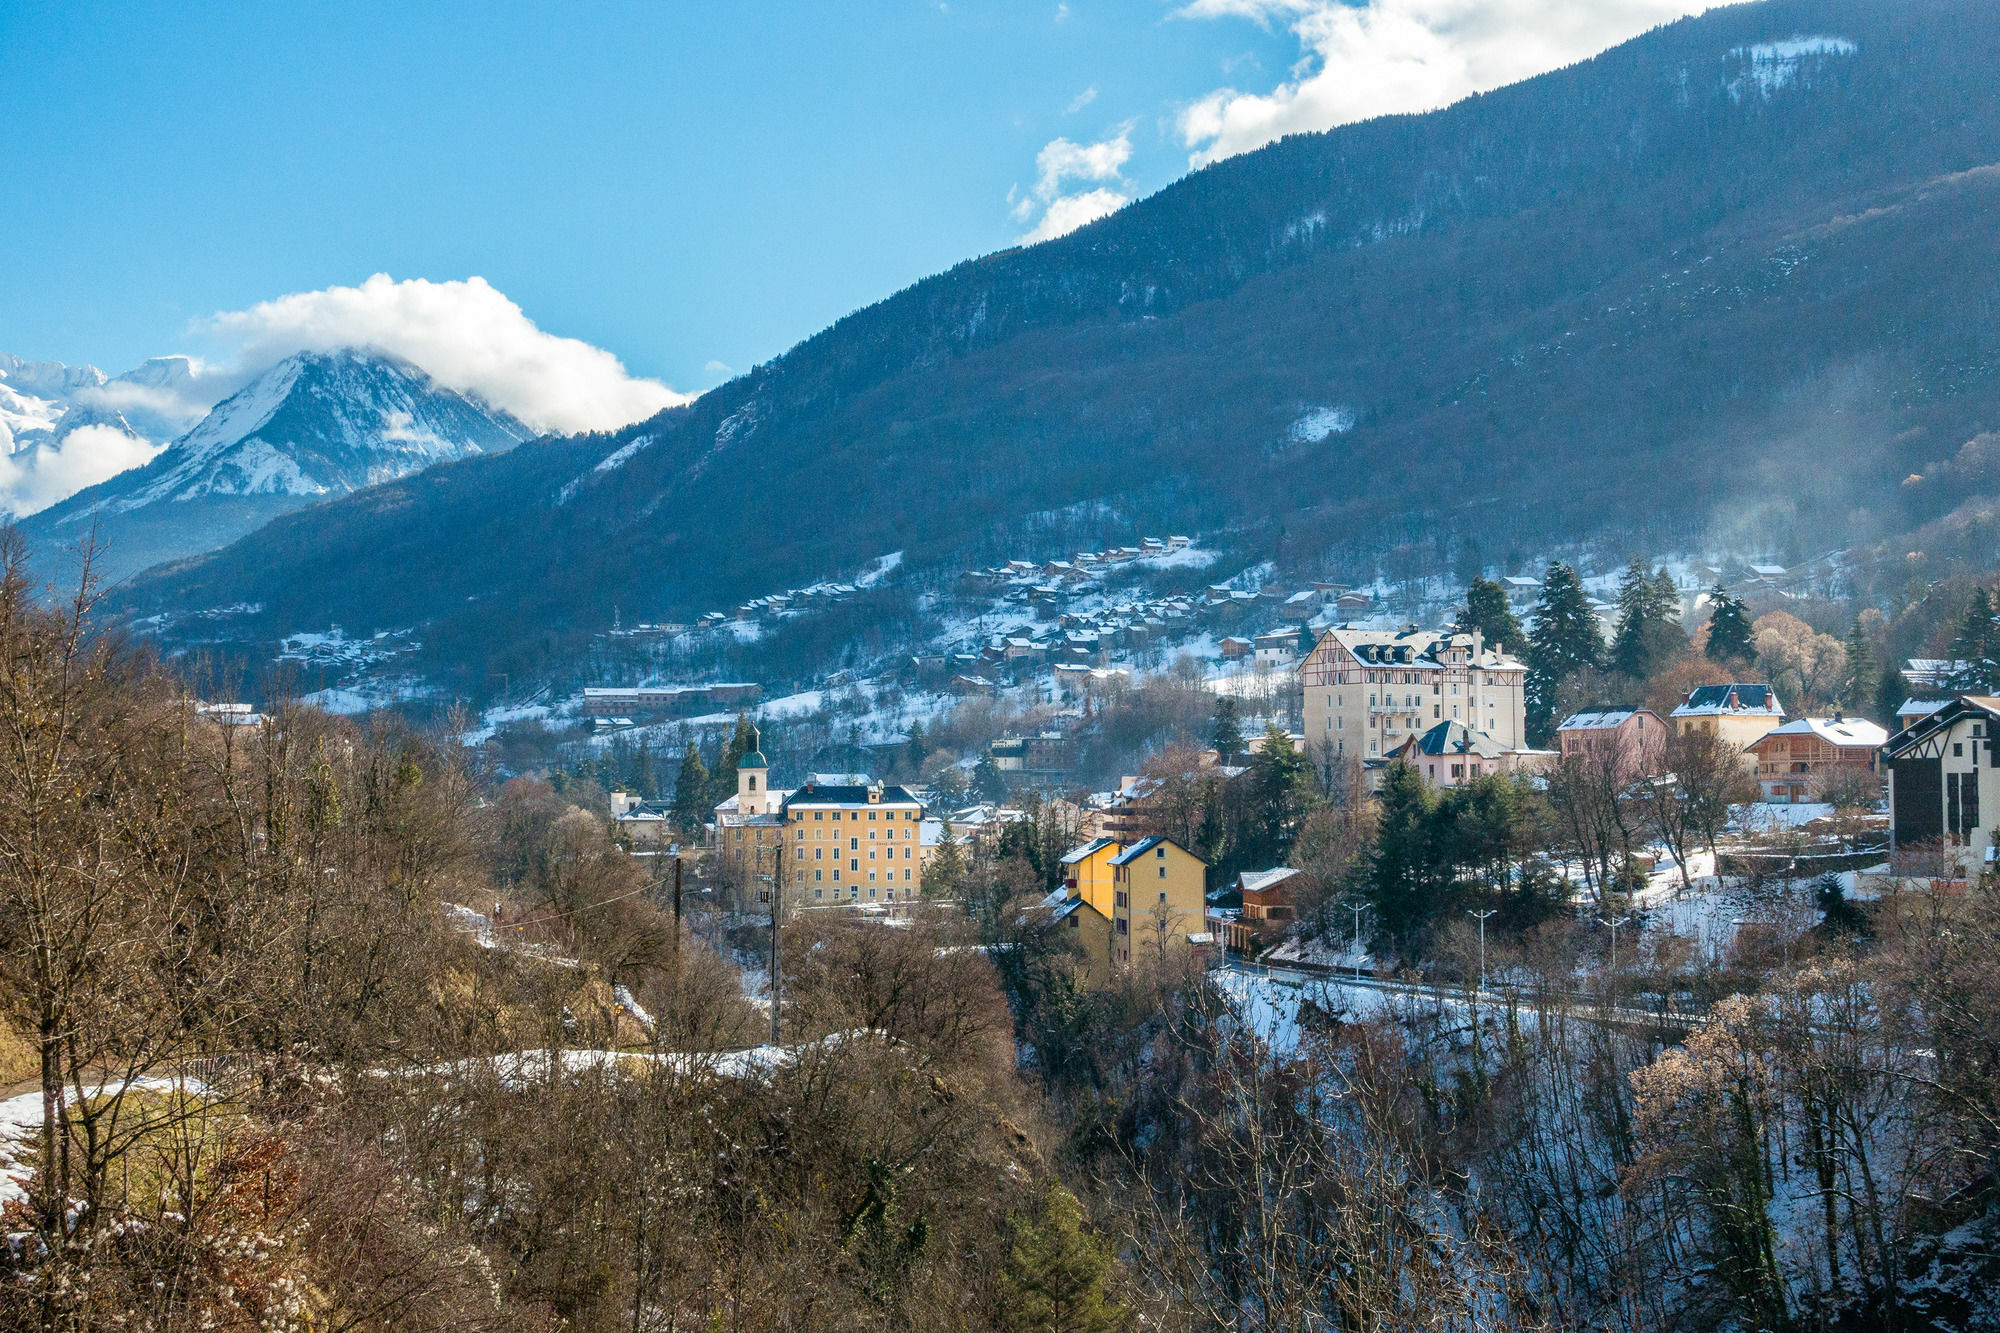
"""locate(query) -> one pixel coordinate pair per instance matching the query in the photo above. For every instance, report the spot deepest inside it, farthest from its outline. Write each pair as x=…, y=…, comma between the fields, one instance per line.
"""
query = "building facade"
x=1944, y=782
x=1630, y=740
x=1741, y=715
x=1148, y=893
x=1796, y=760
x=1368, y=692
x=841, y=840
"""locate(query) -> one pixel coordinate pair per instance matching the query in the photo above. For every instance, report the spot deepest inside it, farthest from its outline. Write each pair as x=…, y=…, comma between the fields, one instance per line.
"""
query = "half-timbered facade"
x=1368, y=692
x=1944, y=781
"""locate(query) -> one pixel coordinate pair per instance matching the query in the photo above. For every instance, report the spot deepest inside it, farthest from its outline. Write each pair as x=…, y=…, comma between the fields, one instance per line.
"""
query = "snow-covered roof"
x=1920, y=707
x=1255, y=881
x=1609, y=719
x=1848, y=731
x=1088, y=850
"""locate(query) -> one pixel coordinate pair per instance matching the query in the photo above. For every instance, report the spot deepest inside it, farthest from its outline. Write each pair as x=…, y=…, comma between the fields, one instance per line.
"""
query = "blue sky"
x=690, y=186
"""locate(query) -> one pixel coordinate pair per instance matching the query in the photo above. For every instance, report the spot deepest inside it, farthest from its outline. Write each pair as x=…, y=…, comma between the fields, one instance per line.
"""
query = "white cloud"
x=1062, y=162
x=466, y=335
x=1071, y=211
x=1081, y=100
x=32, y=479
x=1388, y=56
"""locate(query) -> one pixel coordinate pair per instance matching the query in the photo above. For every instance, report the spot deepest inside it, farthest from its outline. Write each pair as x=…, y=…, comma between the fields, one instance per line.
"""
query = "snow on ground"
x=21, y=1123
x=1761, y=818
x=878, y=569
x=1188, y=557
x=369, y=695
x=1319, y=422
x=494, y=718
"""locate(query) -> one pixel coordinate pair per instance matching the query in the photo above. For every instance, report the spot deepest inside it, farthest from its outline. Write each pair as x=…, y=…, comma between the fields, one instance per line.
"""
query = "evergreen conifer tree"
x=1227, y=737
x=1649, y=635
x=1056, y=1279
x=919, y=747
x=691, y=793
x=944, y=877
x=1861, y=681
x=1307, y=641
x=645, y=783
x=1486, y=610
x=1730, y=637
x=1976, y=647
x=722, y=781
x=986, y=780
x=1565, y=641
x=1282, y=779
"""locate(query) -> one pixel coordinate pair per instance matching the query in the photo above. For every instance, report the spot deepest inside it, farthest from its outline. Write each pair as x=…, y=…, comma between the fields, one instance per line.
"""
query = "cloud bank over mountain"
x=1387, y=57
x=467, y=334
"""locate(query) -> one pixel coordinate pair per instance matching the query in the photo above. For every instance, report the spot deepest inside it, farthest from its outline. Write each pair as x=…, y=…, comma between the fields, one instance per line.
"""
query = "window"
x=854, y=864
x=753, y=782
x=906, y=875
x=1160, y=852
x=1163, y=872
x=819, y=853
x=819, y=814
x=1118, y=898
x=854, y=844
x=1122, y=927
x=819, y=893
x=1072, y=921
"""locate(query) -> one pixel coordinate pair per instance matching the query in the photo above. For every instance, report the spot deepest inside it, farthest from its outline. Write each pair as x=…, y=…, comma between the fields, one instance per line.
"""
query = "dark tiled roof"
x=848, y=795
x=1715, y=698
x=1448, y=738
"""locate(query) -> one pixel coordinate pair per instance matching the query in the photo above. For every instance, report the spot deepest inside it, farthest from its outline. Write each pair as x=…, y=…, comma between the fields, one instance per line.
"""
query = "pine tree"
x=1565, y=641
x=1730, y=637
x=691, y=793
x=1227, y=738
x=1307, y=642
x=944, y=877
x=645, y=783
x=986, y=780
x=1055, y=1279
x=1861, y=681
x=1398, y=875
x=1283, y=782
x=722, y=781
x=1976, y=647
x=1486, y=610
x=919, y=747
x=1649, y=635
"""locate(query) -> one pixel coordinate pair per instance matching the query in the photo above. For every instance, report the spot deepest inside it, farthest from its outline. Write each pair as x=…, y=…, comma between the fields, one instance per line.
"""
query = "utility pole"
x=675, y=849
x=777, y=914
x=1481, y=918
x=1357, y=909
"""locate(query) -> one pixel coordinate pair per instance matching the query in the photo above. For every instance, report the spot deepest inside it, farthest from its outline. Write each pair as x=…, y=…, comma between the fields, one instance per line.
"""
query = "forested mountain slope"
x=1734, y=277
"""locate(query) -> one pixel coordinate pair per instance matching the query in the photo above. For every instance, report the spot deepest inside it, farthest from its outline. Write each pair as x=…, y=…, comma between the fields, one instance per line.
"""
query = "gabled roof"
x=1607, y=719
x=1081, y=854
x=1847, y=731
x=1455, y=738
x=1726, y=700
x=1256, y=881
x=1145, y=845
x=1925, y=728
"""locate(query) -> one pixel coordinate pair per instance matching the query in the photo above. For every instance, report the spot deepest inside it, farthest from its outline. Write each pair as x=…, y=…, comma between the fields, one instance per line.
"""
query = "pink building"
x=1631, y=738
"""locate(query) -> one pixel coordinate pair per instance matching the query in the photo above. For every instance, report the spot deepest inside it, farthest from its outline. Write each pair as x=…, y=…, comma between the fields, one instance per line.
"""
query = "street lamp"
x=1621, y=921
x=1357, y=909
x=1480, y=917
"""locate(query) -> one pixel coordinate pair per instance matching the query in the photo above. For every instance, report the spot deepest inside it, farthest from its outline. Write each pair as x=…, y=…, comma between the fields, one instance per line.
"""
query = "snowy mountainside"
x=317, y=424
